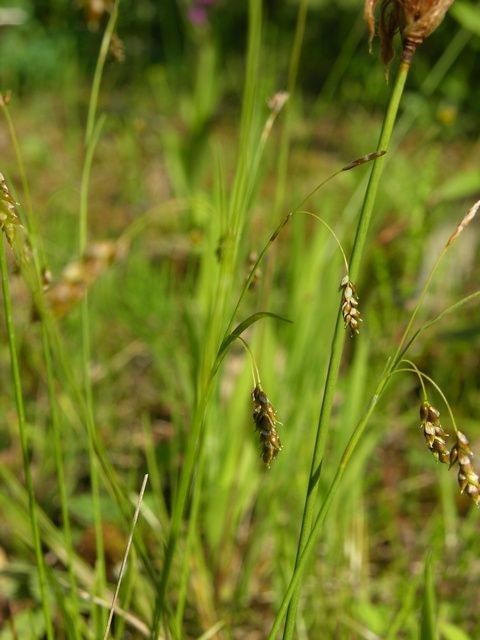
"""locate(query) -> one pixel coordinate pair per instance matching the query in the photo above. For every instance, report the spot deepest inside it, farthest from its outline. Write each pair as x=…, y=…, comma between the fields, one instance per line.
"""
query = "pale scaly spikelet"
x=351, y=314
x=468, y=480
x=433, y=432
x=9, y=221
x=265, y=418
x=62, y=295
x=117, y=48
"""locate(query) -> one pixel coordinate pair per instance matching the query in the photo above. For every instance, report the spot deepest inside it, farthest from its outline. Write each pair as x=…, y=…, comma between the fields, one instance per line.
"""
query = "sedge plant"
x=393, y=364
x=414, y=30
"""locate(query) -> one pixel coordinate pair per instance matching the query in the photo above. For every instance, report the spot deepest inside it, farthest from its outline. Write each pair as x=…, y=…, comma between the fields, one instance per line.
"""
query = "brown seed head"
x=265, y=418
x=414, y=19
x=433, y=432
x=420, y=18
x=468, y=480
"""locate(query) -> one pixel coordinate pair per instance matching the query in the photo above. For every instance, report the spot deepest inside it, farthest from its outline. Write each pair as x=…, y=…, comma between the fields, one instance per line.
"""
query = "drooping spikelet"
x=433, y=432
x=9, y=221
x=468, y=480
x=265, y=418
x=351, y=314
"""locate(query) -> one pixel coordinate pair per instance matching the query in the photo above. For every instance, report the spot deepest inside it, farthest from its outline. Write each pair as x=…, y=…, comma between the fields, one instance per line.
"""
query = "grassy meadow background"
x=142, y=151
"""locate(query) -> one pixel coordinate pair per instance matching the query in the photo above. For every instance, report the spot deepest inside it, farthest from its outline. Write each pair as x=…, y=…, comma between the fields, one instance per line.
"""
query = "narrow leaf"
x=468, y=15
x=428, y=626
x=239, y=329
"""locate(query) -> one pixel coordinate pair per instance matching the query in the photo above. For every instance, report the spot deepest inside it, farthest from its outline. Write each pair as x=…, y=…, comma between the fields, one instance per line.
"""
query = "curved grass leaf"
x=239, y=329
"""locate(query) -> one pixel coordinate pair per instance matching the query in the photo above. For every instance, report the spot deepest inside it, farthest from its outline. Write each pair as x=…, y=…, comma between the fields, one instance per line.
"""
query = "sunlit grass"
x=192, y=190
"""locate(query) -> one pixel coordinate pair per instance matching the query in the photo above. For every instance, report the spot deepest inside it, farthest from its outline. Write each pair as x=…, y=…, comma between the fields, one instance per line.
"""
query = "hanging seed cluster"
x=265, y=418
x=468, y=480
x=433, y=432
x=9, y=222
x=414, y=19
x=460, y=453
x=351, y=314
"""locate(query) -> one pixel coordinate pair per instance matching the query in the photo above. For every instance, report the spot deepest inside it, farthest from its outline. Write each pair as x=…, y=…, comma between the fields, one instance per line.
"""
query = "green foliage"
x=191, y=175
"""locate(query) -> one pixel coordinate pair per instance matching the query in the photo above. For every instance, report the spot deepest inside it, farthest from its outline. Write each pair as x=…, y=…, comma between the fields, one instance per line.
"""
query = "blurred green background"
x=163, y=173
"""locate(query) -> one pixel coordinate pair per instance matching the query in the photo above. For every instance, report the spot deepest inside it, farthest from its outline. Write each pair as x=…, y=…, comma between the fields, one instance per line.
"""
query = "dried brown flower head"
x=95, y=10
x=433, y=432
x=414, y=19
x=265, y=418
x=351, y=314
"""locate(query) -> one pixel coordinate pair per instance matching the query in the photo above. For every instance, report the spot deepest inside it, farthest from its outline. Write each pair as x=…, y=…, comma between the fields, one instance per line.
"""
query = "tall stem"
x=218, y=312
x=312, y=536
x=99, y=614
x=339, y=333
x=22, y=429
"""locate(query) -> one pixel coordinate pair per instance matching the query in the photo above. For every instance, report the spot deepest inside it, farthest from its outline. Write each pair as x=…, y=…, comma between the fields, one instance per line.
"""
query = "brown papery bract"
x=414, y=19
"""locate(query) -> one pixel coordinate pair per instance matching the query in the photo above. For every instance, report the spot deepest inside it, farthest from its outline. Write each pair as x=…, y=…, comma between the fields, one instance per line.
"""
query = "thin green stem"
x=60, y=471
x=19, y=158
x=98, y=74
x=420, y=379
x=332, y=232
x=339, y=334
x=220, y=298
x=99, y=613
x=310, y=541
x=53, y=349
x=283, y=155
x=33, y=278
x=267, y=246
x=390, y=369
x=85, y=184
x=429, y=323
x=400, y=349
x=420, y=374
x=22, y=428
x=253, y=364
x=296, y=209
x=191, y=531
x=377, y=170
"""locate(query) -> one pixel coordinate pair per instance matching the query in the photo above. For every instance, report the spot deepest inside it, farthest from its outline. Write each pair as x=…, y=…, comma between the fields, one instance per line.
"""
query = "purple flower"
x=198, y=12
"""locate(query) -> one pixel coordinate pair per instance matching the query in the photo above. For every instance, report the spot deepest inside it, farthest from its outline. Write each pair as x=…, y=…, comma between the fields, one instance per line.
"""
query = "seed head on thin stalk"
x=464, y=222
x=350, y=311
x=351, y=314
x=264, y=414
x=415, y=20
x=468, y=480
x=460, y=453
x=9, y=220
x=297, y=209
x=265, y=418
